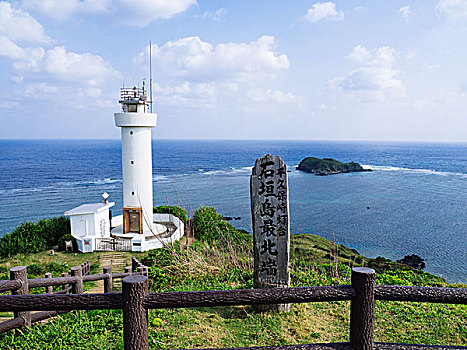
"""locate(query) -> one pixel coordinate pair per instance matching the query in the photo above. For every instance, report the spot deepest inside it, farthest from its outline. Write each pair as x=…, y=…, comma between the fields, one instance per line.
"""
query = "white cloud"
x=140, y=13
x=62, y=65
x=30, y=59
x=41, y=72
x=198, y=95
x=360, y=54
x=405, y=12
x=430, y=68
x=375, y=76
x=70, y=66
x=452, y=9
x=275, y=96
x=324, y=10
x=196, y=60
x=383, y=56
x=9, y=49
x=9, y=104
x=360, y=9
x=63, y=9
x=214, y=16
x=67, y=96
x=199, y=74
x=137, y=13
x=39, y=90
x=19, y=26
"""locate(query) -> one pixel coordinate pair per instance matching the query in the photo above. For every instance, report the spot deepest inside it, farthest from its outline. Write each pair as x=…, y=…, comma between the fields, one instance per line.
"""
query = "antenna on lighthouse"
x=150, y=72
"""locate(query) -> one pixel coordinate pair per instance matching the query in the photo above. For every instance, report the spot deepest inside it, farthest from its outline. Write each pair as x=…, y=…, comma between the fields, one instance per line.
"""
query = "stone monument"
x=271, y=231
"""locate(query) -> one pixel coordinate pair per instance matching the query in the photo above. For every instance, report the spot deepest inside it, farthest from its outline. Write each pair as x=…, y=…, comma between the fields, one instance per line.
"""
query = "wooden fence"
x=135, y=301
x=19, y=285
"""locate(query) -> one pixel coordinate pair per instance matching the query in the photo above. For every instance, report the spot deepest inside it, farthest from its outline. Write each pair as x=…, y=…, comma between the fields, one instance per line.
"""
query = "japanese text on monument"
x=270, y=214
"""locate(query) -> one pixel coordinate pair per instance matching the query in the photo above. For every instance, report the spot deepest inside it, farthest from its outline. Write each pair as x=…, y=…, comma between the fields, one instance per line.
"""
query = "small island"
x=328, y=166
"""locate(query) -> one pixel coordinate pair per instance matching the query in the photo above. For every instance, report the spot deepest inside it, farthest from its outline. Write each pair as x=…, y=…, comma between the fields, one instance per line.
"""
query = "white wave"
x=244, y=169
x=104, y=181
x=214, y=172
x=19, y=191
x=61, y=185
x=160, y=178
x=413, y=170
x=364, y=166
x=236, y=171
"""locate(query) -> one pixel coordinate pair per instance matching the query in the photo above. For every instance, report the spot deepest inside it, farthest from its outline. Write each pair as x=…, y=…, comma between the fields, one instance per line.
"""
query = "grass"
x=421, y=323
x=93, y=330
x=241, y=326
x=314, y=261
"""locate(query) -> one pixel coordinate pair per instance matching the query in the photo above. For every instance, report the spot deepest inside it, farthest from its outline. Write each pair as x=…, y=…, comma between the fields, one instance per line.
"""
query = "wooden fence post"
x=20, y=273
x=128, y=269
x=85, y=268
x=362, y=309
x=108, y=281
x=134, y=264
x=77, y=288
x=135, y=321
x=48, y=289
x=65, y=286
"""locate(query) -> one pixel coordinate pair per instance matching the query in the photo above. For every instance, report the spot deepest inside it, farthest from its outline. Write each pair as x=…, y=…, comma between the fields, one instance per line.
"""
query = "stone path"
x=118, y=262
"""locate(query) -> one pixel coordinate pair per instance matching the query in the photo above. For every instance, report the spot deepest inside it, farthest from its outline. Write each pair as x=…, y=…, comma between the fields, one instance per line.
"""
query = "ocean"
x=414, y=202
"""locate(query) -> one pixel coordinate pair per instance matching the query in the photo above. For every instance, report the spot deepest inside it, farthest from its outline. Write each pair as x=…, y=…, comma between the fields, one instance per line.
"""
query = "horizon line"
x=247, y=139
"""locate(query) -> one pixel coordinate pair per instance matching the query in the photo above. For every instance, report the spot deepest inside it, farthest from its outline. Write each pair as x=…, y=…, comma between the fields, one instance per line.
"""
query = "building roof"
x=91, y=208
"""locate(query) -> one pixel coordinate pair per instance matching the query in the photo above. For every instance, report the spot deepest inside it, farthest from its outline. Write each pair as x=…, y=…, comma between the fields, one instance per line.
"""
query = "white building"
x=88, y=222
x=138, y=229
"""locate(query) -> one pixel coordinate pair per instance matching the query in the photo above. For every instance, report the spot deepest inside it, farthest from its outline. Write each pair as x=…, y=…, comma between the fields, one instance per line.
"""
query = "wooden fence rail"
x=422, y=294
x=6, y=286
x=19, y=285
x=164, y=300
x=135, y=300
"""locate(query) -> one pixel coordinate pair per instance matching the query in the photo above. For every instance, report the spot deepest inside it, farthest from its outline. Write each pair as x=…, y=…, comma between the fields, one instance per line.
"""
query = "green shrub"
x=172, y=209
x=54, y=229
x=32, y=237
x=67, y=237
x=57, y=268
x=35, y=269
x=211, y=227
x=164, y=256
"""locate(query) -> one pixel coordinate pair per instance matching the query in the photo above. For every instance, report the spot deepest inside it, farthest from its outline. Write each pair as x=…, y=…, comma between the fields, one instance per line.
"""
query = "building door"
x=132, y=220
x=135, y=221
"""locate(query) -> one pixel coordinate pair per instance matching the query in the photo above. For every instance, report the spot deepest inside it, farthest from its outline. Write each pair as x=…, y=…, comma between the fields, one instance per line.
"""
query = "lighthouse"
x=136, y=123
x=138, y=229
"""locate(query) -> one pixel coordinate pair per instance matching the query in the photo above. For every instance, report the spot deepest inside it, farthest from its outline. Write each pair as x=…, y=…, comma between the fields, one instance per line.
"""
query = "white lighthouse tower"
x=138, y=229
x=136, y=122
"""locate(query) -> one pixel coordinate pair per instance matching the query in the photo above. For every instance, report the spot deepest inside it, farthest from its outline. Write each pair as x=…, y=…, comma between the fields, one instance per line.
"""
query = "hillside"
x=221, y=258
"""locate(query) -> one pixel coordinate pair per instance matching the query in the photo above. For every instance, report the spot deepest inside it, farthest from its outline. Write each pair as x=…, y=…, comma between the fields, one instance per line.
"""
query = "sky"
x=292, y=70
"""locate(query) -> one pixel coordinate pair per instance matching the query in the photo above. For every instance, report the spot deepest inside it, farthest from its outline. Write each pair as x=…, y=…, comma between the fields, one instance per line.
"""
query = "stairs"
x=118, y=261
